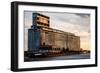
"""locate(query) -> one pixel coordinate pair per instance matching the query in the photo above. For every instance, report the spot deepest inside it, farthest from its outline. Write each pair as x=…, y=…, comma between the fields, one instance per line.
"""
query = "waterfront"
x=64, y=57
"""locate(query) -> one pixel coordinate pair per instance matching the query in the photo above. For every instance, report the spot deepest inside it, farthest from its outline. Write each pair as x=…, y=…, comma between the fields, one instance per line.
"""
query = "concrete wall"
x=60, y=40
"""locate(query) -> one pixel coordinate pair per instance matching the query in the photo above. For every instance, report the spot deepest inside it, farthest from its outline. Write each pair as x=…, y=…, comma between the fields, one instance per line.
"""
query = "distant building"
x=40, y=34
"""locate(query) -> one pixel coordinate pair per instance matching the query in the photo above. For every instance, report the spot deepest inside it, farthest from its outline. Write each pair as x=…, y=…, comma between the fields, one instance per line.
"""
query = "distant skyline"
x=76, y=23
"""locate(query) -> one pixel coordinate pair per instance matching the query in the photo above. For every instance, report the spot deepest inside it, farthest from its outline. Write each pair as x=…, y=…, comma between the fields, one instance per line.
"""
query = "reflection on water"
x=65, y=57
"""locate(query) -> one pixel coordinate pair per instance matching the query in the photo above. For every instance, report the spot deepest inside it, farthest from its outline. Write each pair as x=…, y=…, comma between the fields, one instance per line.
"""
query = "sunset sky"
x=76, y=23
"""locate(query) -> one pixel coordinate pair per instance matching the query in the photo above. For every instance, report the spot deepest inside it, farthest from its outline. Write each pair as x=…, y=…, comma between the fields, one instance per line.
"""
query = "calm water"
x=65, y=57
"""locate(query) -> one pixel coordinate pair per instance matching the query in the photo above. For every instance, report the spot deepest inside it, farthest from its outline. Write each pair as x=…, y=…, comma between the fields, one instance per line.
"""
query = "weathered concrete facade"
x=60, y=39
x=40, y=34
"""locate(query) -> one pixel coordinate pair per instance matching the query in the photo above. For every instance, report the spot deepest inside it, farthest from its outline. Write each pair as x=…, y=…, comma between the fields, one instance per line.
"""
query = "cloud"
x=27, y=19
x=82, y=20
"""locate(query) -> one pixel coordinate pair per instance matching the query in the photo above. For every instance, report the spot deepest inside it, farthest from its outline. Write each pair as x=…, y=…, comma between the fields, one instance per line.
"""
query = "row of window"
x=42, y=20
x=43, y=24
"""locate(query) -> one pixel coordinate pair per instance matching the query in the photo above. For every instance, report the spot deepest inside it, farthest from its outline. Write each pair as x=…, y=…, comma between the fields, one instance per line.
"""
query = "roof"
x=41, y=15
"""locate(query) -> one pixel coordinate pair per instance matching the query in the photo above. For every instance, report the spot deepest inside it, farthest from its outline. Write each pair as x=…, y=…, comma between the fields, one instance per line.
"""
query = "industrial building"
x=43, y=38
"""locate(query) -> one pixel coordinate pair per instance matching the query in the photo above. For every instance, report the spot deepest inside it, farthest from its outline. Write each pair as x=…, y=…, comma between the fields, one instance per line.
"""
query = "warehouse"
x=40, y=35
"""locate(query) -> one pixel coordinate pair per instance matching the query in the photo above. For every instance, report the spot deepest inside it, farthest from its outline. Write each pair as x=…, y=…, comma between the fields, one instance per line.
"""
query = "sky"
x=76, y=23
